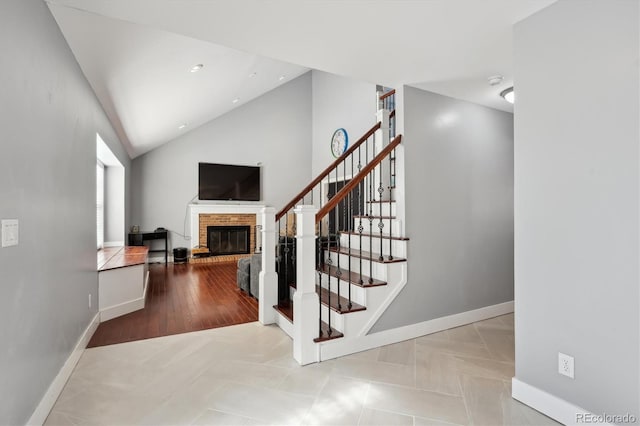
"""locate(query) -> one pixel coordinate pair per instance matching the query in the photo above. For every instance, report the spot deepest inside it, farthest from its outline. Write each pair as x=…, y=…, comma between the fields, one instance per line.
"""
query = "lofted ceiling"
x=137, y=54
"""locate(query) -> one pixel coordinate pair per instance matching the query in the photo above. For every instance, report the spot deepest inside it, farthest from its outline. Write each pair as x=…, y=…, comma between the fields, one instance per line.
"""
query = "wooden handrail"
x=386, y=95
x=326, y=172
x=392, y=114
x=340, y=195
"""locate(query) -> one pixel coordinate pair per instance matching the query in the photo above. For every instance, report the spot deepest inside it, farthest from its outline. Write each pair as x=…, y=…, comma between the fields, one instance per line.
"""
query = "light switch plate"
x=10, y=228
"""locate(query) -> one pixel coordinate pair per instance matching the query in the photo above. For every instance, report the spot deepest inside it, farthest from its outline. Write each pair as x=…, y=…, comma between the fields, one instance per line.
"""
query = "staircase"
x=341, y=253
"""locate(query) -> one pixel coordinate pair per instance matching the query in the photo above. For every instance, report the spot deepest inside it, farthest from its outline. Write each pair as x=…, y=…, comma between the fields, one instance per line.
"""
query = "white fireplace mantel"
x=197, y=209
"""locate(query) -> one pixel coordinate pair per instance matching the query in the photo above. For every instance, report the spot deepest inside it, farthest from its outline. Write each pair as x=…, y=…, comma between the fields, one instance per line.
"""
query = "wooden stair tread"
x=286, y=309
x=335, y=334
x=366, y=234
x=366, y=216
x=374, y=257
x=343, y=302
x=352, y=277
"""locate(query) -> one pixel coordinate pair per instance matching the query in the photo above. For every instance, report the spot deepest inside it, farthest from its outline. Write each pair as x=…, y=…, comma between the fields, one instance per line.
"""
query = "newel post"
x=306, y=309
x=268, y=291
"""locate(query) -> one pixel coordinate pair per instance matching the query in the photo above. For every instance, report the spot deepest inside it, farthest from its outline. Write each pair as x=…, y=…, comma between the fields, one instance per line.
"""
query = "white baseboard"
x=346, y=345
x=50, y=397
x=550, y=405
x=160, y=259
x=284, y=323
x=123, y=308
x=114, y=244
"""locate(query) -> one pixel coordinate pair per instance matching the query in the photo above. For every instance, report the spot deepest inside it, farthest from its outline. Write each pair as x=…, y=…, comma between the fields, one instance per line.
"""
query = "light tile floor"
x=245, y=375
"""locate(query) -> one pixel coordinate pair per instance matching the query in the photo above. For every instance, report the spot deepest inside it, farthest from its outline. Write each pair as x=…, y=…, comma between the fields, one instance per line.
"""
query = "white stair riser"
x=358, y=294
x=374, y=228
x=378, y=270
x=398, y=249
x=337, y=319
x=377, y=208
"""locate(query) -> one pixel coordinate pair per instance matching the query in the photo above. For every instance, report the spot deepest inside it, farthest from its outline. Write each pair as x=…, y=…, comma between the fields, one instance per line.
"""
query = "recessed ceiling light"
x=182, y=126
x=196, y=68
x=282, y=77
x=235, y=101
x=508, y=95
x=494, y=80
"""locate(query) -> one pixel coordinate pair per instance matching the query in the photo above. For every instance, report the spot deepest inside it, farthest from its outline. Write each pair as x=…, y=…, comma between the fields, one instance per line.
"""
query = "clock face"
x=339, y=142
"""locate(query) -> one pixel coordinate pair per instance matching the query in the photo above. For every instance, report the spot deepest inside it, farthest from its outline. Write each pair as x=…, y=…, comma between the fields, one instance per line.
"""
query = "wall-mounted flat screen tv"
x=228, y=182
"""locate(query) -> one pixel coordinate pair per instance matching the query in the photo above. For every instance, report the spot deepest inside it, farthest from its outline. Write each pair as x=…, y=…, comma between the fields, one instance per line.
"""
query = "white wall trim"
x=549, y=405
x=284, y=323
x=51, y=395
x=114, y=243
x=123, y=308
x=345, y=346
x=385, y=304
x=160, y=258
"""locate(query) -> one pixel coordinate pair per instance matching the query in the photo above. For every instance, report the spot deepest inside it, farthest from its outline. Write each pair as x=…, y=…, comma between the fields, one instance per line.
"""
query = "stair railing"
x=317, y=192
x=353, y=203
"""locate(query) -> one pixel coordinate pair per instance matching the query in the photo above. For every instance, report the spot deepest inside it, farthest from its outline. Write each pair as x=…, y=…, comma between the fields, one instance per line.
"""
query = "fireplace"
x=223, y=240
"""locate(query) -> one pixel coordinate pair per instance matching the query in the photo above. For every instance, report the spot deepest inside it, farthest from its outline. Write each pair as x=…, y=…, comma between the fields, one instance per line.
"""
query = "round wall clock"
x=339, y=142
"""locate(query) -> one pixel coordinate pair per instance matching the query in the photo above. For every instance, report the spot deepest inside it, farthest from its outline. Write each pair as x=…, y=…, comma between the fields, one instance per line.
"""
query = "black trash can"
x=180, y=255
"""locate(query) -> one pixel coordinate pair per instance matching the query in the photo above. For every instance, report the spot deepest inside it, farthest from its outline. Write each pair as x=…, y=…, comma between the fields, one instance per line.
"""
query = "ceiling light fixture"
x=182, y=126
x=508, y=95
x=494, y=80
x=282, y=77
x=235, y=101
x=196, y=68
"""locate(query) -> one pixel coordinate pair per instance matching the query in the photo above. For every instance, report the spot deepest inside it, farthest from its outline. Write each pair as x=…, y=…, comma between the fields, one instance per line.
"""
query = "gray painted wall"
x=49, y=117
x=459, y=208
x=339, y=102
x=274, y=130
x=576, y=205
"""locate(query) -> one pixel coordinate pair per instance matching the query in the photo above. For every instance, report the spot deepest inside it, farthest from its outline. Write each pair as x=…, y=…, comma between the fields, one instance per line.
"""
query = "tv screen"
x=228, y=182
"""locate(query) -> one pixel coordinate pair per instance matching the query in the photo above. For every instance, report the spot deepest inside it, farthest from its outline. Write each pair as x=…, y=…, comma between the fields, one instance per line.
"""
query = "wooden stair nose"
x=373, y=216
x=286, y=309
x=352, y=276
x=338, y=304
x=374, y=257
x=374, y=235
x=335, y=334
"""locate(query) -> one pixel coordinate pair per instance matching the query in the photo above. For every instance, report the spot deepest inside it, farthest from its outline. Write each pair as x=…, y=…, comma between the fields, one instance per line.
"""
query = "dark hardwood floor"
x=182, y=298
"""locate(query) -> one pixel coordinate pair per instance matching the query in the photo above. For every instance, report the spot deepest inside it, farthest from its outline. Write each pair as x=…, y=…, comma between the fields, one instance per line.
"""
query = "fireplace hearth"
x=224, y=240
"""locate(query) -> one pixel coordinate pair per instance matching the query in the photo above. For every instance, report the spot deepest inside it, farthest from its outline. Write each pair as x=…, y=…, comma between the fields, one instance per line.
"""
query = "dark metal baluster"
x=336, y=222
x=349, y=223
x=360, y=227
x=390, y=206
x=381, y=204
x=370, y=229
x=286, y=258
x=339, y=271
x=279, y=256
x=320, y=261
x=329, y=262
x=294, y=265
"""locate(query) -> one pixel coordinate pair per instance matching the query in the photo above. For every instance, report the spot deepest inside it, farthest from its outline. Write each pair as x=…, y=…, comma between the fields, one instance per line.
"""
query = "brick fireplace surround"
x=203, y=215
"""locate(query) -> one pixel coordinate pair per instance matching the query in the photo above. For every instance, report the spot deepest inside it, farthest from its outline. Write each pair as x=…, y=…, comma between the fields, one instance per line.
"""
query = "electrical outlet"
x=565, y=365
x=89, y=300
x=10, y=232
